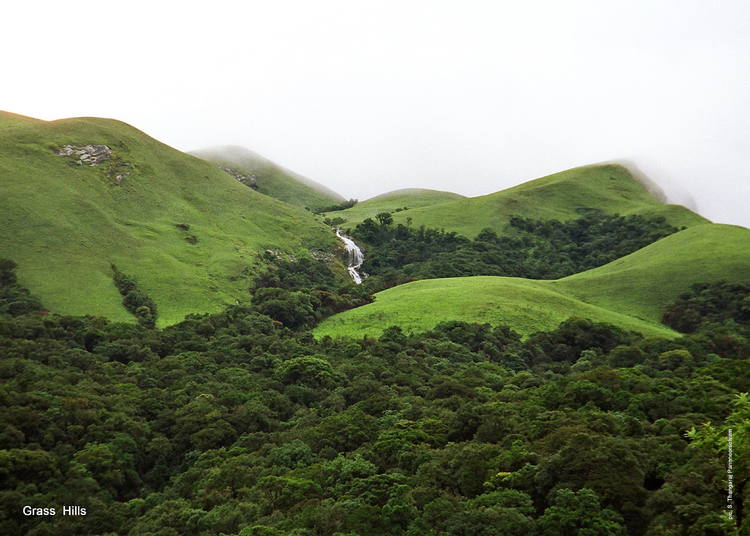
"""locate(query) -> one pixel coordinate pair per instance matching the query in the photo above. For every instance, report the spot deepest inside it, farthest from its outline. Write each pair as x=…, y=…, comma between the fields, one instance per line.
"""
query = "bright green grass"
x=562, y=196
x=389, y=202
x=630, y=292
x=272, y=179
x=642, y=283
x=525, y=305
x=65, y=224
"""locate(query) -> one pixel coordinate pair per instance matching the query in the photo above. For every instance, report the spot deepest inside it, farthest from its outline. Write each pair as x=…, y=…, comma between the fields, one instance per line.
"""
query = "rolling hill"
x=562, y=196
x=186, y=231
x=630, y=292
x=642, y=283
x=270, y=178
x=409, y=198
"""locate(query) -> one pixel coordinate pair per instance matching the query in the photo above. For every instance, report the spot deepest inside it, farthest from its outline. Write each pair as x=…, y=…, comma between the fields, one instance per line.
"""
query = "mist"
x=366, y=98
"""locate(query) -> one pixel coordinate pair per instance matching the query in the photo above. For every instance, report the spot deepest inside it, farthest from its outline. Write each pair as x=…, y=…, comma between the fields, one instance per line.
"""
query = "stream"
x=355, y=256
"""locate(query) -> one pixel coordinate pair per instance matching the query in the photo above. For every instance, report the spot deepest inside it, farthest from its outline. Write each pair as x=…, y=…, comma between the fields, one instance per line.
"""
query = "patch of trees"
x=137, y=303
x=709, y=303
x=234, y=424
x=535, y=249
x=299, y=293
x=336, y=207
x=15, y=299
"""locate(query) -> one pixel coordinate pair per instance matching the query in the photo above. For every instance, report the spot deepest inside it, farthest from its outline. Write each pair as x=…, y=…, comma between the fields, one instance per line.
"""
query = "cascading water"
x=355, y=256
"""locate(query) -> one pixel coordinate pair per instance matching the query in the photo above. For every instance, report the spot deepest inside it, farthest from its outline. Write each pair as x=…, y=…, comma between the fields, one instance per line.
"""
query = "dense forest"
x=534, y=249
x=240, y=423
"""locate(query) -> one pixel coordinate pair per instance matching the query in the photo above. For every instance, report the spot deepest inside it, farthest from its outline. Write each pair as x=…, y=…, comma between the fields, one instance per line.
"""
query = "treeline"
x=234, y=424
x=137, y=302
x=535, y=249
x=711, y=303
x=14, y=298
x=336, y=207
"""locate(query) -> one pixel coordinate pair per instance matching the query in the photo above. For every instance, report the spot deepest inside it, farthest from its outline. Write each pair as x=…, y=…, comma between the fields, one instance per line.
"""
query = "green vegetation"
x=272, y=179
x=134, y=300
x=466, y=406
x=65, y=223
x=562, y=196
x=643, y=283
x=399, y=201
x=630, y=292
x=537, y=249
x=300, y=293
x=230, y=424
x=524, y=305
x=710, y=303
x=14, y=298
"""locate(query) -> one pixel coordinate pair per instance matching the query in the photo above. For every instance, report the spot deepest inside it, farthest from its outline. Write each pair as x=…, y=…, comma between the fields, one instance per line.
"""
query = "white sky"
x=367, y=97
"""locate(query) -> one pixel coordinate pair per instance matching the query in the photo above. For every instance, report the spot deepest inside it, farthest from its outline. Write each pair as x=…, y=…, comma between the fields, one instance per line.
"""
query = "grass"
x=562, y=196
x=64, y=223
x=272, y=179
x=525, y=305
x=389, y=202
x=630, y=292
x=642, y=283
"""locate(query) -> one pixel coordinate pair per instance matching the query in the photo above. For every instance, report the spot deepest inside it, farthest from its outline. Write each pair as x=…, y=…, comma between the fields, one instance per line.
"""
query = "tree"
x=385, y=218
x=578, y=513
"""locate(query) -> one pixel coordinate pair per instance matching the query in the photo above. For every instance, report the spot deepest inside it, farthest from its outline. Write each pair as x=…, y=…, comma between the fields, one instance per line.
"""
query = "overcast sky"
x=367, y=97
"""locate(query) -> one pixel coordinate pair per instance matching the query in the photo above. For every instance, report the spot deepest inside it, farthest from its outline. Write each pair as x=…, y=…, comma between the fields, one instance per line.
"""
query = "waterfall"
x=355, y=256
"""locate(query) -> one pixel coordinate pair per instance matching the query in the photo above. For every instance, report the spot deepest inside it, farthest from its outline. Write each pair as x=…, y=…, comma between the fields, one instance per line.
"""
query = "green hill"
x=270, y=178
x=630, y=292
x=642, y=283
x=410, y=198
x=562, y=196
x=188, y=232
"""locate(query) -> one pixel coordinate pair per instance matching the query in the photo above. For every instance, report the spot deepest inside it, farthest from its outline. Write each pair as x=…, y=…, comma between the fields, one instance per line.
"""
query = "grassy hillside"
x=630, y=292
x=272, y=179
x=525, y=305
x=641, y=283
x=389, y=202
x=64, y=223
x=562, y=196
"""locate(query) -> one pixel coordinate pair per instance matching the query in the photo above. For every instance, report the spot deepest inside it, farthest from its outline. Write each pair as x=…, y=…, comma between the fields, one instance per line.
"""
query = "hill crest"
x=271, y=178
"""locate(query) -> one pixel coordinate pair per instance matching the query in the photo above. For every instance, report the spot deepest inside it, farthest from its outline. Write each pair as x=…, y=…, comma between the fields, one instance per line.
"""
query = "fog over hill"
x=421, y=95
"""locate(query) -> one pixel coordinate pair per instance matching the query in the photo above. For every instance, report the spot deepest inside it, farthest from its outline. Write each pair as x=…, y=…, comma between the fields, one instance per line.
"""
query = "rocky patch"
x=247, y=180
x=91, y=155
x=94, y=155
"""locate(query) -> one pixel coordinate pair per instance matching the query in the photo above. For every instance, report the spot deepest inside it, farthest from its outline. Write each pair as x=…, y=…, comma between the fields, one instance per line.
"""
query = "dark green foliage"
x=710, y=303
x=14, y=298
x=338, y=206
x=537, y=249
x=234, y=424
x=135, y=301
x=300, y=293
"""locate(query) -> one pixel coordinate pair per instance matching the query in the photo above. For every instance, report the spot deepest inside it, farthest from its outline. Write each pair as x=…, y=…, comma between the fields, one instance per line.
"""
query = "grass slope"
x=389, y=202
x=64, y=223
x=562, y=196
x=630, y=292
x=642, y=283
x=272, y=179
x=525, y=305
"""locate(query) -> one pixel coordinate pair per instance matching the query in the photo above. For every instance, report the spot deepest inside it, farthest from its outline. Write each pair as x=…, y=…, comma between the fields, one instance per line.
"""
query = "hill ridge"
x=563, y=196
x=271, y=178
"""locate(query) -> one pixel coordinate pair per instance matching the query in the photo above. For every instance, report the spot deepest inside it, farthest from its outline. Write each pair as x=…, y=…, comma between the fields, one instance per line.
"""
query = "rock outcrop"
x=93, y=155
x=87, y=154
x=247, y=180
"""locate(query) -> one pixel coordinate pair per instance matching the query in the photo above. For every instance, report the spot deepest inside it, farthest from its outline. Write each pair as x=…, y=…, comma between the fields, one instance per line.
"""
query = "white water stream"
x=355, y=256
